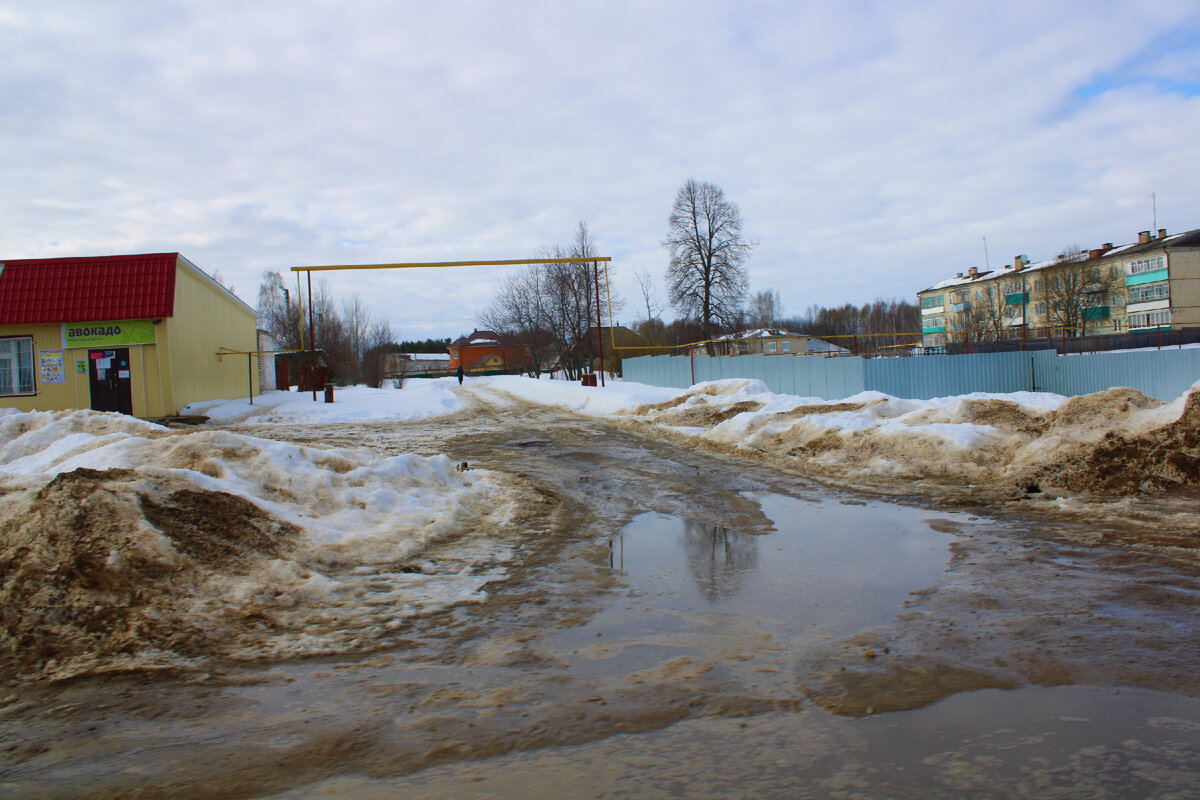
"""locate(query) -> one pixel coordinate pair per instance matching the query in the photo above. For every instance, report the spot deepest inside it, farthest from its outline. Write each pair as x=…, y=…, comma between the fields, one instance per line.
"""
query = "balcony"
x=960, y=307
x=1018, y=299
x=1096, y=312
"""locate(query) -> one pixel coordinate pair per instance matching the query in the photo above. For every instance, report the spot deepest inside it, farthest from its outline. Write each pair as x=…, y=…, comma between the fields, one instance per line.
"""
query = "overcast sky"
x=870, y=145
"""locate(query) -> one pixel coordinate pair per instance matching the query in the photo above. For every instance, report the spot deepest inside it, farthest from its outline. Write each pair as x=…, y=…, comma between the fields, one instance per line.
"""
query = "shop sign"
x=108, y=334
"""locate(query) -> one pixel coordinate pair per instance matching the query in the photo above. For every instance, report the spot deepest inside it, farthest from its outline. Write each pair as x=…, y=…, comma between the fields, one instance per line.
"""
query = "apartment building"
x=1151, y=283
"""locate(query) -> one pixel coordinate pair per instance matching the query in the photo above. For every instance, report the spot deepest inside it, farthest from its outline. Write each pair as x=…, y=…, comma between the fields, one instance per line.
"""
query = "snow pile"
x=1004, y=440
x=133, y=546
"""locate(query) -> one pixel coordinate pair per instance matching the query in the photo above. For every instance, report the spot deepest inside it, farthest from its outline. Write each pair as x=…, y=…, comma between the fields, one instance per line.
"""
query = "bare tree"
x=278, y=312
x=765, y=308
x=705, y=276
x=1071, y=289
x=649, y=295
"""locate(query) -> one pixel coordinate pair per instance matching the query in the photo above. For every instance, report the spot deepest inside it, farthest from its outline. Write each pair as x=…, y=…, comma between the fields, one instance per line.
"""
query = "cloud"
x=870, y=146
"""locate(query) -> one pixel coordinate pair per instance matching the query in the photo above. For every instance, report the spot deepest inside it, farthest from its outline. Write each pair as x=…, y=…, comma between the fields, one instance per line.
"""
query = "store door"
x=112, y=388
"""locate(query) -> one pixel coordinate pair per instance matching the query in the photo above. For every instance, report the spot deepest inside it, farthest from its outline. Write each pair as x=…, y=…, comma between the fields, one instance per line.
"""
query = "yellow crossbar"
x=422, y=264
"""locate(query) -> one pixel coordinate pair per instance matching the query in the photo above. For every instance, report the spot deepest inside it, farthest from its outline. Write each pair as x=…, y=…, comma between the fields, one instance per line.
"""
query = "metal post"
x=250, y=374
x=599, y=335
x=312, y=342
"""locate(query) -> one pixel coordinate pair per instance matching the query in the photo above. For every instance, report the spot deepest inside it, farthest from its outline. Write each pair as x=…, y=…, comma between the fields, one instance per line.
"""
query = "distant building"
x=486, y=353
x=414, y=365
x=140, y=334
x=1151, y=283
x=774, y=341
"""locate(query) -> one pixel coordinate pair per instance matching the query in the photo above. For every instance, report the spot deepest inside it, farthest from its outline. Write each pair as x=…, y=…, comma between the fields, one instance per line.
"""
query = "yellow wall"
x=207, y=317
x=147, y=389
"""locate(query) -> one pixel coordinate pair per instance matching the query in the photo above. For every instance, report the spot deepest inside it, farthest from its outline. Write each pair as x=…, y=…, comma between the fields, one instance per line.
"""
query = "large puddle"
x=752, y=600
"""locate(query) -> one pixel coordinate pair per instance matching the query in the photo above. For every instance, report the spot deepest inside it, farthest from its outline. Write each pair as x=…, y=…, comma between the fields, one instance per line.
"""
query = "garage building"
x=138, y=334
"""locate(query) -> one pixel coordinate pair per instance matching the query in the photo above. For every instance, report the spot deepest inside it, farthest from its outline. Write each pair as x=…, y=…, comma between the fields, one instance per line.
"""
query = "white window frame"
x=10, y=366
x=1151, y=264
x=770, y=347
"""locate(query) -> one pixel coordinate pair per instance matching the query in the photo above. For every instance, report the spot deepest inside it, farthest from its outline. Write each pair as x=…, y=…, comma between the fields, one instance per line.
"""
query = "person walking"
x=459, y=373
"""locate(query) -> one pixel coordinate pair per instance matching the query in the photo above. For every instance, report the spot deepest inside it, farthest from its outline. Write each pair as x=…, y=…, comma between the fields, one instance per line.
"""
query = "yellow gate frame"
x=595, y=261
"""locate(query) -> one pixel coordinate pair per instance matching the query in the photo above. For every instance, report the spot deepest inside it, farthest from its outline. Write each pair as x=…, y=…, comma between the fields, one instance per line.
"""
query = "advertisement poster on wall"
x=53, y=370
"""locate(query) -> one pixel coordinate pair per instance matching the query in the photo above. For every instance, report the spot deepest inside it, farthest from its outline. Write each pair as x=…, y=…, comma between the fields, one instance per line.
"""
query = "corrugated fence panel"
x=940, y=376
x=1165, y=374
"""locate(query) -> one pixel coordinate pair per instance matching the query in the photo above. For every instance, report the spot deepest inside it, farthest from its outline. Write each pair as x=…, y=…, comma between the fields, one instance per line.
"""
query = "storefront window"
x=16, y=366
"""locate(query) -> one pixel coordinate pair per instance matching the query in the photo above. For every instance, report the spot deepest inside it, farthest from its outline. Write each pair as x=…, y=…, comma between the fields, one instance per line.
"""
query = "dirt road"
x=667, y=606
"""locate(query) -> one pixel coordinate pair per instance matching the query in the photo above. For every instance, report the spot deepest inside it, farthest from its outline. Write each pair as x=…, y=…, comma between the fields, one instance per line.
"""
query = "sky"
x=870, y=146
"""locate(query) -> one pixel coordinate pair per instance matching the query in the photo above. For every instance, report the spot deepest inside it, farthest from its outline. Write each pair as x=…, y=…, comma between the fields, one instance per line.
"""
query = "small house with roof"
x=486, y=353
x=140, y=334
x=774, y=341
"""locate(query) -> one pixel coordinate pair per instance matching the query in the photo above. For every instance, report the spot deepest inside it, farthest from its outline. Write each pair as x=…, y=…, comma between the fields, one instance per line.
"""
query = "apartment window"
x=1149, y=292
x=933, y=301
x=16, y=366
x=937, y=321
x=1037, y=284
x=1040, y=309
x=1149, y=319
x=770, y=347
x=1141, y=265
x=785, y=346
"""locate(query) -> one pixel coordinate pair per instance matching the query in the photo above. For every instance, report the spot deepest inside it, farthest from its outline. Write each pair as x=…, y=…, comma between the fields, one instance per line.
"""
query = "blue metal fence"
x=1165, y=374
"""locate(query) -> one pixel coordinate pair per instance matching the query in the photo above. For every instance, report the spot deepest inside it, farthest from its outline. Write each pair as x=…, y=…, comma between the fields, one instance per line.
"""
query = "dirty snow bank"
x=124, y=545
x=1113, y=441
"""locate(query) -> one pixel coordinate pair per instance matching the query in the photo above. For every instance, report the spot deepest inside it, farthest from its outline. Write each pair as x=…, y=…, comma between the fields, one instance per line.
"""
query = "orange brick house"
x=486, y=353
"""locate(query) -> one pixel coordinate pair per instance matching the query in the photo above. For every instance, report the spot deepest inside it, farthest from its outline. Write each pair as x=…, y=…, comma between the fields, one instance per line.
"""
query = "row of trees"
x=349, y=336
x=552, y=307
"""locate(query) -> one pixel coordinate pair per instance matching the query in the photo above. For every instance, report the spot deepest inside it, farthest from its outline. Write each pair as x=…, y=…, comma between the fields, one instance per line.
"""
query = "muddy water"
x=681, y=625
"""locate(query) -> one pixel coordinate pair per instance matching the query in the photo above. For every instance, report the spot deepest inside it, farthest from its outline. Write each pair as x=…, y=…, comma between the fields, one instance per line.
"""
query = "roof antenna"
x=987, y=264
x=1154, y=202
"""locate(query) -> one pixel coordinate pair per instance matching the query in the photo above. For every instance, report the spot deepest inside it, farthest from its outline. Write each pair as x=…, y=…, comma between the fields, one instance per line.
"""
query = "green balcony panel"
x=1096, y=312
x=1146, y=277
x=1019, y=299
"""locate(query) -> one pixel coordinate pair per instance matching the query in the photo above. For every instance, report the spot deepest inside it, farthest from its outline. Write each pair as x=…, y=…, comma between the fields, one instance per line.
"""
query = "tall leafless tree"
x=706, y=277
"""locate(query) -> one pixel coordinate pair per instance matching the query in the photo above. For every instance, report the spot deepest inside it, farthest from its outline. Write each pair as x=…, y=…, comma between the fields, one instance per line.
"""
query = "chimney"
x=959, y=275
x=1162, y=233
x=973, y=272
x=1143, y=237
x=1107, y=246
x=1020, y=262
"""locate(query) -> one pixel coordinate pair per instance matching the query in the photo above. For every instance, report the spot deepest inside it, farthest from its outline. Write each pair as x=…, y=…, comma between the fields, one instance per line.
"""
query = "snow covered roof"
x=477, y=338
x=761, y=333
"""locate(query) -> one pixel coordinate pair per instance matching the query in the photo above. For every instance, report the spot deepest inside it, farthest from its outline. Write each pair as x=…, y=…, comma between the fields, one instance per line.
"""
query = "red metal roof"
x=93, y=289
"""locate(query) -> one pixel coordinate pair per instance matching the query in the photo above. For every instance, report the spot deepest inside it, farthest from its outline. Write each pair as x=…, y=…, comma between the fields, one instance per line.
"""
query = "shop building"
x=142, y=334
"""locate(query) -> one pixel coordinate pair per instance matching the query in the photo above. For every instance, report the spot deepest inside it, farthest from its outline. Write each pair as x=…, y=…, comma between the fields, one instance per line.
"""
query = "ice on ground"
x=127, y=545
